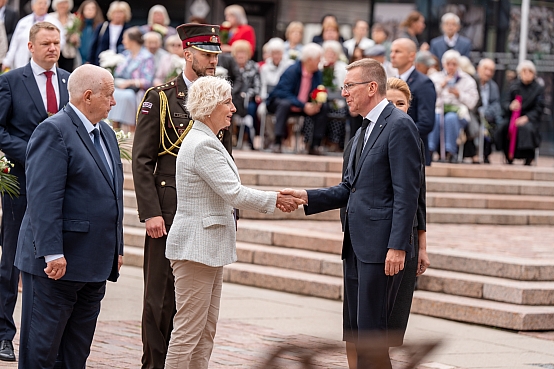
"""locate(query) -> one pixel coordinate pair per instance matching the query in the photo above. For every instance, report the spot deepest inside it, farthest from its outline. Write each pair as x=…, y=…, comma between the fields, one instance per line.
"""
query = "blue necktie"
x=98, y=147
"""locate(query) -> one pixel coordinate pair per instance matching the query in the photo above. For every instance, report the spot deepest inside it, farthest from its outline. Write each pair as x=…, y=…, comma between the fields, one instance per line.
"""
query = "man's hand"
x=299, y=194
x=521, y=121
x=55, y=269
x=422, y=259
x=311, y=108
x=394, y=262
x=515, y=105
x=155, y=227
x=119, y=262
x=287, y=203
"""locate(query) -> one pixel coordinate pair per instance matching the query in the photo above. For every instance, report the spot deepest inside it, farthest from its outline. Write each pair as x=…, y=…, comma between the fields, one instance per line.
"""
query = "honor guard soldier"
x=162, y=124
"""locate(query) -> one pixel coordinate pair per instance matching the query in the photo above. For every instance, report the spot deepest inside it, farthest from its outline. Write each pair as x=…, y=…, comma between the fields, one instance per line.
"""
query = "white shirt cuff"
x=49, y=258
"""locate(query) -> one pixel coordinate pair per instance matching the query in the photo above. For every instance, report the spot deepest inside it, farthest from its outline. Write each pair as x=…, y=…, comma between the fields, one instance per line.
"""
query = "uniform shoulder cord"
x=164, y=110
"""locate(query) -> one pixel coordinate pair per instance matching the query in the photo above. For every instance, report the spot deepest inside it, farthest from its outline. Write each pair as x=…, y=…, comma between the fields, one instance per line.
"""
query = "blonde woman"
x=202, y=238
x=109, y=35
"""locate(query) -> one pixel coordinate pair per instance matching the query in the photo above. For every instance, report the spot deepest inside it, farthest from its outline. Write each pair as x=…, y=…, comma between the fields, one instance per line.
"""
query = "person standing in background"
x=109, y=35
x=62, y=12
x=8, y=21
x=451, y=39
x=28, y=95
x=359, y=39
x=91, y=17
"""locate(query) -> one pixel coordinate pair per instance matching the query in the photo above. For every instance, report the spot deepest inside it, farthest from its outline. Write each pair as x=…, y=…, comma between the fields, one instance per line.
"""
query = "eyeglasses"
x=348, y=85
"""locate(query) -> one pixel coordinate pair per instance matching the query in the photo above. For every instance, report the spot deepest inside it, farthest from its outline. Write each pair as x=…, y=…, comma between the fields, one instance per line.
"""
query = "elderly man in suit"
x=71, y=238
x=380, y=191
x=422, y=107
x=18, y=55
x=490, y=99
x=28, y=95
x=292, y=95
x=451, y=39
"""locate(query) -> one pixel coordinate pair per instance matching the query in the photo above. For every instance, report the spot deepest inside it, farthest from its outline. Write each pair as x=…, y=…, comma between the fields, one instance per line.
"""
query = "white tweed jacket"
x=208, y=188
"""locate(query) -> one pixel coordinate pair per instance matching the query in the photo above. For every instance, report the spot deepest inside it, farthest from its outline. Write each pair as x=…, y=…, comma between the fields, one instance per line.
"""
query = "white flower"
x=109, y=59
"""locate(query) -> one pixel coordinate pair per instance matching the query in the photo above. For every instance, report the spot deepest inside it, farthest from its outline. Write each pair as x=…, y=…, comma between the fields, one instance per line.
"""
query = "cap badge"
x=213, y=39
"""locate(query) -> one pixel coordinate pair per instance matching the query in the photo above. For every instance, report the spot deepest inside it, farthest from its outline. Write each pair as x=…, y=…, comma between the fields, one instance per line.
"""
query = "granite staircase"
x=481, y=221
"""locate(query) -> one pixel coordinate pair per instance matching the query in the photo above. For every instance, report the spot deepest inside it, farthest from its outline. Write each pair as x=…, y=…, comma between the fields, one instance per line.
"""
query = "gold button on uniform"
x=163, y=183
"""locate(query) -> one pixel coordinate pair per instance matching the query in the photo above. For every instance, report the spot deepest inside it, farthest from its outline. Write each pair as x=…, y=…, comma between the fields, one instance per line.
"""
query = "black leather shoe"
x=6, y=351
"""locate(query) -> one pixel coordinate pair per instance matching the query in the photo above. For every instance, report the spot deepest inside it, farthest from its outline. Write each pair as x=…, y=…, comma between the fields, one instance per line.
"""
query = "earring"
x=209, y=116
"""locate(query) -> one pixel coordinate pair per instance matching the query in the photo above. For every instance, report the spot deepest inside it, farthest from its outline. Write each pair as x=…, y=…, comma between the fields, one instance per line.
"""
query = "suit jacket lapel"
x=33, y=91
x=373, y=136
x=85, y=137
x=62, y=87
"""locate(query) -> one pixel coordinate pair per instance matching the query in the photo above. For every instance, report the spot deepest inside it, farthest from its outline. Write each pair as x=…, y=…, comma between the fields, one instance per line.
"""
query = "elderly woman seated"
x=158, y=21
x=523, y=106
x=202, y=238
x=132, y=78
x=457, y=94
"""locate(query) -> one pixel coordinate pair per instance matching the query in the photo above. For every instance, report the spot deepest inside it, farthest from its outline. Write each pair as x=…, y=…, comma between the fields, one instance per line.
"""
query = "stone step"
x=488, y=201
x=131, y=219
x=490, y=216
x=284, y=280
x=295, y=259
x=311, y=238
x=487, y=288
x=478, y=311
x=133, y=256
x=133, y=236
x=129, y=199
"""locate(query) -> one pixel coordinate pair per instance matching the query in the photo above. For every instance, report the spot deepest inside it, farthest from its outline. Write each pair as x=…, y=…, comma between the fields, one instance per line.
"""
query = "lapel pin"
x=380, y=126
x=63, y=80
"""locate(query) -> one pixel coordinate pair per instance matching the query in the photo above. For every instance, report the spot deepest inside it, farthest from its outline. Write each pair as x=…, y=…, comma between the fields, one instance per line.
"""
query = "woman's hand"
x=521, y=121
x=515, y=105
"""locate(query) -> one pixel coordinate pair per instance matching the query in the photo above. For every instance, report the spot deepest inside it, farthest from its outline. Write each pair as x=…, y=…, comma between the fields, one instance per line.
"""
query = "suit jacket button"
x=163, y=183
x=354, y=190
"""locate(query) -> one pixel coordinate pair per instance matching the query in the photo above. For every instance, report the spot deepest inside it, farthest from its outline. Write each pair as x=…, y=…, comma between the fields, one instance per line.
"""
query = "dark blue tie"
x=98, y=147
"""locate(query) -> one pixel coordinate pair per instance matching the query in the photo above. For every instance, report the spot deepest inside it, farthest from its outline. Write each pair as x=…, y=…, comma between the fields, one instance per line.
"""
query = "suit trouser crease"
x=58, y=322
x=159, y=303
x=198, y=296
x=12, y=216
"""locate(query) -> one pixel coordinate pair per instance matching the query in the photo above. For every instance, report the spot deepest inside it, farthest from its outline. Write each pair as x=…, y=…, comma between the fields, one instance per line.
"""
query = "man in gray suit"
x=380, y=192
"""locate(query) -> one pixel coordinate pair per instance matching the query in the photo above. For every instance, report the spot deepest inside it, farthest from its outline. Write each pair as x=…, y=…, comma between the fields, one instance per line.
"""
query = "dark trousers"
x=58, y=322
x=12, y=215
x=369, y=297
x=159, y=304
x=281, y=109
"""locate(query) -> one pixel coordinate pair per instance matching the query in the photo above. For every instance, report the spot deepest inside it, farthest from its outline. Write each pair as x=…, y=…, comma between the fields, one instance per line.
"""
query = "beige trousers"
x=197, y=297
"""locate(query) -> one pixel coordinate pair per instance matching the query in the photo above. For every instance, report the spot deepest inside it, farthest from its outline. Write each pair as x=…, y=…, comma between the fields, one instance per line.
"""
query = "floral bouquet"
x=224, y=32
x=73, y=32
x=123, y=142
x=161, y=29
x=319, y=95
x=293, y=54
x=109, y=60
x=8, y=182
x=177, y=65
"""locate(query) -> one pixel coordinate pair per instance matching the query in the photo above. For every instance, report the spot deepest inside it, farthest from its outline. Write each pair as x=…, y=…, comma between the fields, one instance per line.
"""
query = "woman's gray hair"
x=450, y=16
x=334, y=46
x=56, y=2
x=161, y=9
x=526, y=64
x=238, y=12
x=311, y=51
x=275, y=44
x=450, y=55
x=205, y=94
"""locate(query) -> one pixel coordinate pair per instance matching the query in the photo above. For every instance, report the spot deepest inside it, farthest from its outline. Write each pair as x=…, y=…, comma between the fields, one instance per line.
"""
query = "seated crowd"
x=277, y=95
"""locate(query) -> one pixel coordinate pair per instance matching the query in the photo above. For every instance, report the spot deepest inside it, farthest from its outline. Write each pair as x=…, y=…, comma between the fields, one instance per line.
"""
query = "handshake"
x=288, y=199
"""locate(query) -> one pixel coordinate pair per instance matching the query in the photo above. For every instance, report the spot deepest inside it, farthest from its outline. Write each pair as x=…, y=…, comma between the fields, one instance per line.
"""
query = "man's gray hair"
x=275, y=44
x=485, y=60
x=47, y=1
x=334, y=46
x=311, y=51
x=205, y=94
x=426, y=58
x=450, y=16
x=86, y=77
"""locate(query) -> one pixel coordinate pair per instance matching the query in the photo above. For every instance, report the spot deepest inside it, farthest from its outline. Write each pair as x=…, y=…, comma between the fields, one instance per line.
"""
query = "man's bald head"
x=402, y=54
x=91, y=91
x=485, y=70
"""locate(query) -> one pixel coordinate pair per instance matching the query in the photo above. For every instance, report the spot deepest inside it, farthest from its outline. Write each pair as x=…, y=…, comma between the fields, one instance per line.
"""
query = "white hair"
x=275, y=44
x=56, y=2
x=205, y=94
x=466, y=65
x=154, y=35
x=34, y=1
x=334, y=46
x=450, y=55
x=526, y=64
x=86, y=77
x=161, y=9
x=485, y=60
x=311, y=51
x=238, y=12
x=450, y=16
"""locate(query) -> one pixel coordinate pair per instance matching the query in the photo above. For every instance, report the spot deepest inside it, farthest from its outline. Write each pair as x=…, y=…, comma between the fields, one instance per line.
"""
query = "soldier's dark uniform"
x=162, y=123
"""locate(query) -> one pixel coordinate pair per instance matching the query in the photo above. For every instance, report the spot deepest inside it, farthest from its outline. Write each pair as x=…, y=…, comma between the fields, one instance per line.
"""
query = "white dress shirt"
x=373, y=116
x=404, y=76
x=115, y=31
x=40, y=78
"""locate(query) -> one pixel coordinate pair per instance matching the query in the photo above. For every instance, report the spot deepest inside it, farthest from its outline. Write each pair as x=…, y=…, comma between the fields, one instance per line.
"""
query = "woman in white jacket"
x=202, y=238
x=457, y=94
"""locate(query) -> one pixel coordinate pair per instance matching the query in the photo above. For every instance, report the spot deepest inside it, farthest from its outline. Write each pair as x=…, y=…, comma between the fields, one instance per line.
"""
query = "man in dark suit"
x=27, y=97
x=380, y=191
x=292, y=95
x=422, y=107
x=71, y=238
x=451, y=39
x=154, y=177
